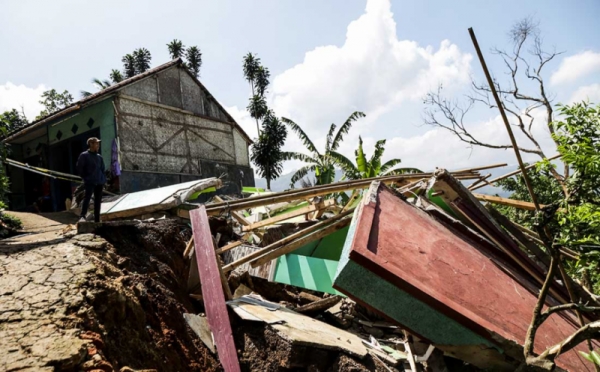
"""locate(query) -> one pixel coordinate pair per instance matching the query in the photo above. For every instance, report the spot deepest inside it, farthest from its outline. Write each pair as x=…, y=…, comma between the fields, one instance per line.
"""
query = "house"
x=162, y=127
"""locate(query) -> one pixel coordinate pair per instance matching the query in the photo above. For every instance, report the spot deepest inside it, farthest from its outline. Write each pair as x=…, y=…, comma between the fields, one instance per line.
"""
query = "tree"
x=12, y=120
x=266, y=151
x=572, y=221
x=571, y=217
x=320, y=163
x=54, y=101
x=100, y=84
x=128, y=65
x=116, y=76
x=368, y=168
x=525, y=64
x=142, y=58
x=176, y=48
x=194, y=60
x=258, y=77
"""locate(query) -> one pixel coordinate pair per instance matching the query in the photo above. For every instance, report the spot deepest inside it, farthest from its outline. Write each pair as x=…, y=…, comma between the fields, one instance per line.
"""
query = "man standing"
x=90, y=167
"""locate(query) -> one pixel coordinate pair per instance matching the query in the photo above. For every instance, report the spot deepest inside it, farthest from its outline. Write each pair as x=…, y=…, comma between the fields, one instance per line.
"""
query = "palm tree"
x=116, y=76
x=369, y=168
x=194, y=60
x=320, y=163
x=128, y=65
x=100, y=84
x=176, y=48
x=142, y=58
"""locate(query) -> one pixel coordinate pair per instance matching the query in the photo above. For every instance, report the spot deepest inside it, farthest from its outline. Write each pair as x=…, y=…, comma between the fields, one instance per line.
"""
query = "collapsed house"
x=158, y=128
x=422, y=254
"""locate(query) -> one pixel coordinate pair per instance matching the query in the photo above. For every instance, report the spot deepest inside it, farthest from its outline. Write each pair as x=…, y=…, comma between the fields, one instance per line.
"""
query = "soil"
x=138, y=306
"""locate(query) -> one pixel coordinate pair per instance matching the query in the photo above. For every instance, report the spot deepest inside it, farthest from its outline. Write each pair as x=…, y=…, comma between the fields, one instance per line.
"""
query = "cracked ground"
x=42, y=275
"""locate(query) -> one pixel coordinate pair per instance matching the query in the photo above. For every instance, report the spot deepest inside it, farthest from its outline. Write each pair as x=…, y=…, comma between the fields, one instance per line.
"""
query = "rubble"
x=209, y=288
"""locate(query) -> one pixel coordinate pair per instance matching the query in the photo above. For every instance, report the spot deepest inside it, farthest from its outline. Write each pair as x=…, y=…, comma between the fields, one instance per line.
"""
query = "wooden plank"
x=285, y=240
x=188, y=248
x=212, y=290
x=322, y=304
x=480, y=168
x=278, y=252
x=505, y=201
x=286, y=216
x=229, y=246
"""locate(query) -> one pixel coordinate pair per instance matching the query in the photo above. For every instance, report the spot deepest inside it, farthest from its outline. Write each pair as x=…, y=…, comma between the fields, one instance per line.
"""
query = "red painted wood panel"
x=410, y=249
x=212, y=290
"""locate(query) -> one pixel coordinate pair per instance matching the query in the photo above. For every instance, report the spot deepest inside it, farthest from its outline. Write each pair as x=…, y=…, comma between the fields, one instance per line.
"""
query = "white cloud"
x=575, y=67
x=20, y=96
x=586, y=93
x=373, y=71
x=243, y=118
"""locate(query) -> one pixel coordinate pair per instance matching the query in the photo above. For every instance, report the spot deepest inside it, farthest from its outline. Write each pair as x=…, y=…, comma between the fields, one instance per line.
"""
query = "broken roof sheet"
x=153, y=200
x=443, y=285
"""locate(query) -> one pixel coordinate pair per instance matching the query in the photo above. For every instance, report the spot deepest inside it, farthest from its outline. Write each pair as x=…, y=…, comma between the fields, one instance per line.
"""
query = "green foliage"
x=266, y=151
x=176, y=48
x=12, y=120
x=592, y=356
x=194, y=60
x=258, y=77
x=368, y=168
x=142, y=59
x=54, y=101
x=323, y=164
x=116, y=76
x=573, y=213
x=128, y=65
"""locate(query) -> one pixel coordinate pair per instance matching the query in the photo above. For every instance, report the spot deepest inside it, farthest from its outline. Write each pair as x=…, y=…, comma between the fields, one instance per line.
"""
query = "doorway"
x=63, y=158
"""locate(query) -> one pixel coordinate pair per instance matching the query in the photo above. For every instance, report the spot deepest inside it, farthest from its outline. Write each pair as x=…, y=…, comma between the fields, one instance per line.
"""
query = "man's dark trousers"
x=96, y=190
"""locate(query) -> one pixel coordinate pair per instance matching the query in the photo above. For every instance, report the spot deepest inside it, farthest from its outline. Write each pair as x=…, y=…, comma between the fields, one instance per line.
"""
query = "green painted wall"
x=313, y=265
x=32, y=147
x=100, y=115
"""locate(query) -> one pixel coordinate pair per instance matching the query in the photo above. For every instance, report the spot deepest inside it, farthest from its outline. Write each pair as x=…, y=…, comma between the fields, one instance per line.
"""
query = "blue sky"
x=327, y=59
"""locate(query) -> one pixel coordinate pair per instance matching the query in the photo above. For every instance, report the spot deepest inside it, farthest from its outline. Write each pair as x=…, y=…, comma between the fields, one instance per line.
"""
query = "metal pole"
x=504, y=119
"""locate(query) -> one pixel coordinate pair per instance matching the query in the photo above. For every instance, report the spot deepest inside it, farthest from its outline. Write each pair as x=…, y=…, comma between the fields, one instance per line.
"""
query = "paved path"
x=42, y=277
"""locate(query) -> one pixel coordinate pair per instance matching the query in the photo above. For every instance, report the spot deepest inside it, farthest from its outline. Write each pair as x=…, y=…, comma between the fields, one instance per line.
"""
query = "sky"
x=327, y=59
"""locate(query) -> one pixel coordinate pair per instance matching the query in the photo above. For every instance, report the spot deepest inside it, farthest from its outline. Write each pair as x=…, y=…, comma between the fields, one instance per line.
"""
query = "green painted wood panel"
x=306, y=272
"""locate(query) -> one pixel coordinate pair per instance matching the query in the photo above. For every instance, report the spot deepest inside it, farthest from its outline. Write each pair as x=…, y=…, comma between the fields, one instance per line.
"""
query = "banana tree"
x=368, y=168
x=321, y=163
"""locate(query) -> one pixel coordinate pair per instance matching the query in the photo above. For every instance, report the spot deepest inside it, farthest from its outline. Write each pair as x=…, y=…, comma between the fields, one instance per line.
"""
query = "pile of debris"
x=412, y=273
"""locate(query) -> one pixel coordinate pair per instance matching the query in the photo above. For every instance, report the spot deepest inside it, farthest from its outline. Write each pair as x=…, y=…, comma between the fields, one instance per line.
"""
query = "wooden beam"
x=286, y=216
x=515, y=172
x=482, y=179
x=480, y=168
x=278, y=252
x=505, y=201
x=188, y=248
x=229, y=246
x=212, y=290
x=309, y=192
x=287, y=239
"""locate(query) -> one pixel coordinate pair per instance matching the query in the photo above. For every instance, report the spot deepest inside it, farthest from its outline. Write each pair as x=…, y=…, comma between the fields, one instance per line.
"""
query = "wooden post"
x=212, y=290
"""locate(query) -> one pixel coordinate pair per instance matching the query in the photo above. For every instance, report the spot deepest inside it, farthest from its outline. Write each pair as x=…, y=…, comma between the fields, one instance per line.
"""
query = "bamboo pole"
x=285, y=240
x=505, y=201
x=229, y=246
x=286, y=216
x=482, y=179
x=491, y=166
x=514, y=172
